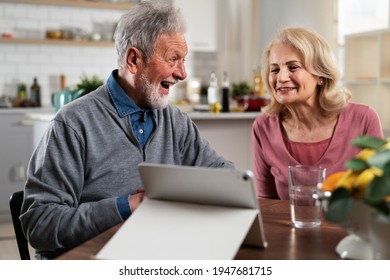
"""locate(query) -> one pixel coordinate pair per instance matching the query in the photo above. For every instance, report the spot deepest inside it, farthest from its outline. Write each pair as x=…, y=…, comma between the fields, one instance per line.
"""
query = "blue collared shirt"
x=141, y=119
x=141, y=122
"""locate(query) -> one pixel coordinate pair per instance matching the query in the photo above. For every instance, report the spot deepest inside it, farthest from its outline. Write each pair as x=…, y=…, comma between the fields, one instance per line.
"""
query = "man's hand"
x=136, y=199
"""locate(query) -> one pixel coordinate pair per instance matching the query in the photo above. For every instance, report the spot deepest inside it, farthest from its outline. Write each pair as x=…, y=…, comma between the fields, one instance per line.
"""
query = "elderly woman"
x=310, y=121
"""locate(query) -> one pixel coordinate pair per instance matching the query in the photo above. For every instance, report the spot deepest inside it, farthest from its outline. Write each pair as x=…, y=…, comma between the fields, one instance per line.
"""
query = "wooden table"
x=284, y=241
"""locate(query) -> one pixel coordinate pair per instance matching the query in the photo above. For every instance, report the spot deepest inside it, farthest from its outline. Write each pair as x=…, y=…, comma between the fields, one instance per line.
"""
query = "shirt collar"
x=123, y=104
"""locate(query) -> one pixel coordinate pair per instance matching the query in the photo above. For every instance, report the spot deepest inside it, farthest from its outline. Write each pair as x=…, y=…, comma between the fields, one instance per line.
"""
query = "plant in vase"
x=360, y=196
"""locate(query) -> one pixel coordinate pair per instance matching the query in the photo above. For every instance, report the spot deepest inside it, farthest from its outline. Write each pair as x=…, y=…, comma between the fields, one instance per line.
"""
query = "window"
x=357, y=16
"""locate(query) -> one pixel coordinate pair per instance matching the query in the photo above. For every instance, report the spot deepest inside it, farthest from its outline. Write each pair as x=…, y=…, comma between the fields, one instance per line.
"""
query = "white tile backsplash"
x=21, y=63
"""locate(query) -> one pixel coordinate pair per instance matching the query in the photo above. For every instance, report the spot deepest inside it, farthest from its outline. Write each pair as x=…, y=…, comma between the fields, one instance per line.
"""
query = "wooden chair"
x=15, y=204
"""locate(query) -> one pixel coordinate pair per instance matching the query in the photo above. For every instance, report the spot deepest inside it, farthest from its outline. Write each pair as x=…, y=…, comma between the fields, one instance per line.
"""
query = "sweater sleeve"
x=54, y=216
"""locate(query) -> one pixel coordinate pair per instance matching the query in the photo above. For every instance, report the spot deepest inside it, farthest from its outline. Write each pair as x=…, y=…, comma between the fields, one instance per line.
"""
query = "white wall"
x=320, y=15
x=238, y=38
x=246, y=26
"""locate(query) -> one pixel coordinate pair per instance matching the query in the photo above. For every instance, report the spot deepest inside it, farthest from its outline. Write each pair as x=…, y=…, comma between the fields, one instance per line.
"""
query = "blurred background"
x=47, y=46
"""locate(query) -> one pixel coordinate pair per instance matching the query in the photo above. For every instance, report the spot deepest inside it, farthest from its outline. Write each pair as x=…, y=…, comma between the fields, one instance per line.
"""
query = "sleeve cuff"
x=122, y=202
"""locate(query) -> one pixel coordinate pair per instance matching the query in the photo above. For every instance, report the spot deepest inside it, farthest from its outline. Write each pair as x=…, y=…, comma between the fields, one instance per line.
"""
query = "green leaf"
x=339, y=207
x=376, y=193
x=88, y=84
x=369, y=142
x=241, y=89
x=378, y=189
x=356, y=164
x=380, y=159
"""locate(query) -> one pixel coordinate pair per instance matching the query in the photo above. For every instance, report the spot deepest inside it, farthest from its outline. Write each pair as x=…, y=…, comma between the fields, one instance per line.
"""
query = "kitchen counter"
x=48, y=116
x=38, y=116
x=15, y=152
x=223, y=116
x=19, y=110
x=230, y=134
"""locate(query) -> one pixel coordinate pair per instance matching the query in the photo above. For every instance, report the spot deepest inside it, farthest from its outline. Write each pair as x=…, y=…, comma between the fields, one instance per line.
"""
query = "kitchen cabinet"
x=367, y=70
x=230, y=134
x=201, y=19
x=16, y=146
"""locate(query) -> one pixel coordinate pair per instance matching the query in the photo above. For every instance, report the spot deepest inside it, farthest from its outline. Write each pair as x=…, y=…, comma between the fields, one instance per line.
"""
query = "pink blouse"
x=272, y=156
x=314, y=151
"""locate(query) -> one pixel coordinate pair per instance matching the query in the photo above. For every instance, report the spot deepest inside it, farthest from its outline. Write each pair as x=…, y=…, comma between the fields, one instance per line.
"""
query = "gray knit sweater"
x=88, y=157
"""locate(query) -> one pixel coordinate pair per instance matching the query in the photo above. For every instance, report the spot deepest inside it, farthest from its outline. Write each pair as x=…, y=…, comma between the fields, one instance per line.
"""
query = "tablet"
x=215, y=186
x=208, y=186
x=190, y=213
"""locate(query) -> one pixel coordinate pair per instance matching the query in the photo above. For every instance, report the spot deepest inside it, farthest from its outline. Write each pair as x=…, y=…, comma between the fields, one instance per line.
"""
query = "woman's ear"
x=133, y=59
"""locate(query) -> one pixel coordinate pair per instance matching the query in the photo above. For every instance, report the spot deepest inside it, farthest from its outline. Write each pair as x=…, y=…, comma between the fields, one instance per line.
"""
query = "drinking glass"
x=303, y=182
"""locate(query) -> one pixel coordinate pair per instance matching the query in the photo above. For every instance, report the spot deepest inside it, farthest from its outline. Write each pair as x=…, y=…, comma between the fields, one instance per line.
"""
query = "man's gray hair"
x=142, y=25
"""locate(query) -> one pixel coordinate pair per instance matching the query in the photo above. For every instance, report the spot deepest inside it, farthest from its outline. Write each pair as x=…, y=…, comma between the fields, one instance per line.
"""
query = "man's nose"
x=180, y=71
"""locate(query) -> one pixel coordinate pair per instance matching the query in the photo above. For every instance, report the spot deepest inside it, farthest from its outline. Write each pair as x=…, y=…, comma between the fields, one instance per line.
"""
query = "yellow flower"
x=366, y=179
x=348, y=180
x=355, y=182
x=331, y=182
x=366, y=154
x=363, y=179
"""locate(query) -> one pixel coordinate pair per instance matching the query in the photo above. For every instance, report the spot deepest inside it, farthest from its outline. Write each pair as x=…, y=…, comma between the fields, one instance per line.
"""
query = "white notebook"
x=191, y=213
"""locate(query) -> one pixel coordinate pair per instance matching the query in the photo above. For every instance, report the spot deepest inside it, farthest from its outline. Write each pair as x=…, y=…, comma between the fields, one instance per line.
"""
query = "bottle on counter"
x=35, y=93
x=212, y=92
x=225, y=93
x=22, y=94
x=62, y=82
x=258, y=88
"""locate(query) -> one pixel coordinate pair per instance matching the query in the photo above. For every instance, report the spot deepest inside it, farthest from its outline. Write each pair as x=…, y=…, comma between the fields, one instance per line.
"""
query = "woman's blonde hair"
x=318, y=59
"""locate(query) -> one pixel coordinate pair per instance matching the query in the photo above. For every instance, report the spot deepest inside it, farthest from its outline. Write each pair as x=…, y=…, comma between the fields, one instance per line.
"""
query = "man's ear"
x=133, y=59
